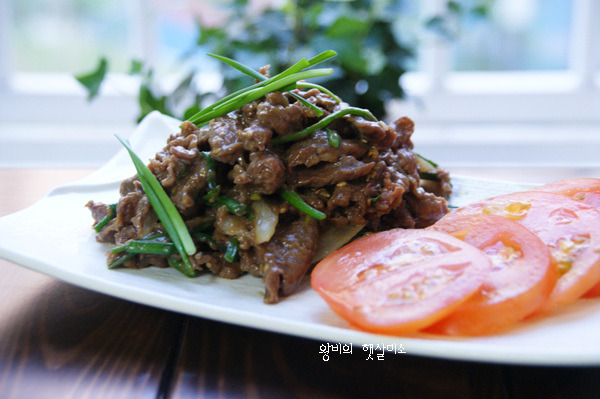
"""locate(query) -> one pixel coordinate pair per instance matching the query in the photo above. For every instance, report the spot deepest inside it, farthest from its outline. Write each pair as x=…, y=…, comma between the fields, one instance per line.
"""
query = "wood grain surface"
x=61, y=341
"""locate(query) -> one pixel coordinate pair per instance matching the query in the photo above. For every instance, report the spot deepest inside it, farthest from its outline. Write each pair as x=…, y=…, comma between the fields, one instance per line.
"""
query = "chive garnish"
x=321, y=89
x=236, y=100
x=164, y=208
x=151, y=247
x=232, y=250
x=240, y=67
x=260, y=77
x=207, y=238
x=182, y=267
x=232, y=205
x=429, y=161
x=429, y=176
x=112, y=212
x=211, y=175
x=297, y=202
x=333, y=138
x=303, y=101
x=256, y=93
x=322, y=123
x=121, y=260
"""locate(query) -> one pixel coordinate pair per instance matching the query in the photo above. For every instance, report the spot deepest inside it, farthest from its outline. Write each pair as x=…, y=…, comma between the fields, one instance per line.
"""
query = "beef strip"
x=224, y=140
x=317, y=149
x=264, y=174
x=344, y=169
x=277, y=114
x=286, y=257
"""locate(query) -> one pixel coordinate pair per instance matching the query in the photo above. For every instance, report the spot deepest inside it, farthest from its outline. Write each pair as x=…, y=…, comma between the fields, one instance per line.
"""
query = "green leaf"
x=93, y=80
x=348, y=27
x=480, y=11
x=454, y=6
x=136, y=67
x=148, y=102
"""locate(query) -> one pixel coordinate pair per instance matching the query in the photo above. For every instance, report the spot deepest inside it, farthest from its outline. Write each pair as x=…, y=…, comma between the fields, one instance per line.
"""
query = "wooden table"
x=61, y=341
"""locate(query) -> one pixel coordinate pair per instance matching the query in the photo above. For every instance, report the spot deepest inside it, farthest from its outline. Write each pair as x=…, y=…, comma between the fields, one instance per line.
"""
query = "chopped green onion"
x=146, y=247
x=260, y=77
x=184, y=268
x=322, y=123
x=256, y=93
x=430, y=162
x=325, y=55
x=112, y=212
x=283, y=81
x=121, y=260
x=207, y=238
x=211, y=175
x=164, y=208
x=232, y=250
x=240, y=67
x=297, y=202
x=320, y=88
x=302, y=100
x=302, y=64
x=233, y=95
x=203, y=227
x=232, y=205
x=429, y=176
x=333, y=138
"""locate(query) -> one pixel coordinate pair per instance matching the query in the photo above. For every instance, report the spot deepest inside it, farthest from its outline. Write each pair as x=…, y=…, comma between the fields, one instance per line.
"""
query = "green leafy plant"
x=371, y=57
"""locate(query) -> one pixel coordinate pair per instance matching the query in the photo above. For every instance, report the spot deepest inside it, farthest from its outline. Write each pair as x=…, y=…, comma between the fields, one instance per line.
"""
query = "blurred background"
x=490, y=84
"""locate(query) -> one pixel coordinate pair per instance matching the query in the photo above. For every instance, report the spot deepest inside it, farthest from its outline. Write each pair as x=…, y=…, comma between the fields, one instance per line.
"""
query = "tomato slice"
x=400, y=281
x=569, y=228
x=584, y=189
x=522, y=277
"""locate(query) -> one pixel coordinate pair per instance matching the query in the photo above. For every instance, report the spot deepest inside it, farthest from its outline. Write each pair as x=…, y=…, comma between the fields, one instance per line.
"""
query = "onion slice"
x=333, y=238
x=264, y=222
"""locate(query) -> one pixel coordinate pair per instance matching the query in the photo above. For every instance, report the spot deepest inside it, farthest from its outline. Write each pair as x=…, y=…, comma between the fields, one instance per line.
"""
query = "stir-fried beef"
x=317, y=149
x=286, y=257
x=370, y=179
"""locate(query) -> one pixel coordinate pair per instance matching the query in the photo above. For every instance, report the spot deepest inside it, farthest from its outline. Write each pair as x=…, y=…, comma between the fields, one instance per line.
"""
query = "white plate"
x=55, y=237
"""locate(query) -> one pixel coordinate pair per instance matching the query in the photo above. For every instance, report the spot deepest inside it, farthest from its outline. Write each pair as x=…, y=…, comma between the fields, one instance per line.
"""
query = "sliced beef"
x=266, y=172
x=256, y=138
x=277, y=114
x=225, y=143
x=144, y=221
x=98, y=210
x=186, y=188
x=317, y=149
x=286, y=257
x=345, y=169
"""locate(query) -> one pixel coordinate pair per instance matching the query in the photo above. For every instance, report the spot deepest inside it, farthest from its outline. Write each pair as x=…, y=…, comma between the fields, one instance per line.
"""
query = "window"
x=530, y=72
